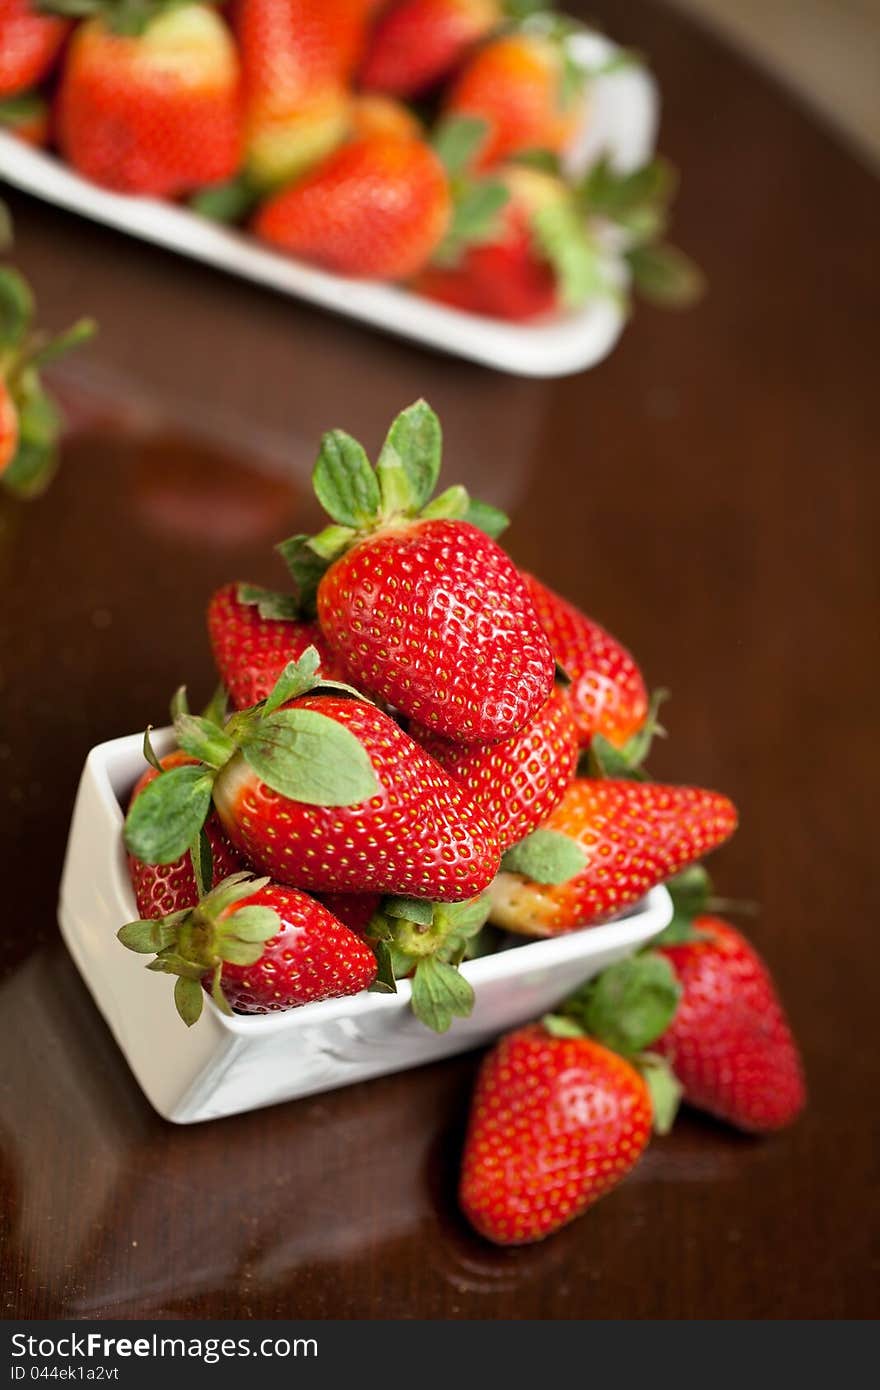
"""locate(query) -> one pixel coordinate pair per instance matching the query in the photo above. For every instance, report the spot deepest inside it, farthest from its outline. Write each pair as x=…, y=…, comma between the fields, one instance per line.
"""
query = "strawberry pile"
x=414, y=141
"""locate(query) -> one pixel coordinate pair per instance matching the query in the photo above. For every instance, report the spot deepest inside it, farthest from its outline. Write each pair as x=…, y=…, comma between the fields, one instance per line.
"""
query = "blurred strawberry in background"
x=152, y=104
x=415, y=44
x=30, y=41
x=374, y=114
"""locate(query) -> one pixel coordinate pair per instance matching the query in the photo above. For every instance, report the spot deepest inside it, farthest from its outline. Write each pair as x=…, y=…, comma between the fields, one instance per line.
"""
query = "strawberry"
x=378, y=207
x=556, y=1122
x=355, y=910
x=421, y=607
x=30, y=41
x=606, y=844
x=257, y=947
x=526, y=89
x=374, y=114
x=29, y=419
x=26, y=116
x=254, y=634
x=161, y=889
x=729, y=1044
x=607, y=693
x=295, y=59
x=157, y=110
x=415, y=44
x=519, y=781
x=537, y=259
x=323, y=791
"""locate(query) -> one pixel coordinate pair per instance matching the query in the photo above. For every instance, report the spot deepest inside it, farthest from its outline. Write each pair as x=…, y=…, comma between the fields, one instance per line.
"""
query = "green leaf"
x=331, y=542
x=271, y=605
x=604, y=760
x=690, y=890
x=6, y=233
x=409, y=464
x=664, y=1089
x=147, y=937
x=306, y=569
x=296, y=678
x=179, y=703
x=545, y=161
x=168, y=815
x=564, y=241
x=621, y=197
x=65, y=342
x=215, y=710
x=253, y=923
x=16, y=307
x=22, y=109
x=239, y=952
x=149, y=751
x=630, y=1005
x=204, y=740
x=456, y=141
x=410, y=910
x=451, y=505
x=226, y=202
x=311, y=758
x=637, y=748
x=545, y=856
x=188, y=999
x=217, y=990
x=344, y=482
x=475, y=219
x=558, y=1026
x=203, y=863
x=384, y=982
x=36, y=459
x=439, y=994
x=486, y=518
x=666, y=276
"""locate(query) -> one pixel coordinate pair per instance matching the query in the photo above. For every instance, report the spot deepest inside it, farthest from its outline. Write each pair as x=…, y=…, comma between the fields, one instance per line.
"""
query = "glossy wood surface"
x=710, y=493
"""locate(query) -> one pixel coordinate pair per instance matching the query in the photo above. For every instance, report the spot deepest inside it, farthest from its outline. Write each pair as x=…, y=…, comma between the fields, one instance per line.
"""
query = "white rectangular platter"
x=224, y=1065
x=622, y=122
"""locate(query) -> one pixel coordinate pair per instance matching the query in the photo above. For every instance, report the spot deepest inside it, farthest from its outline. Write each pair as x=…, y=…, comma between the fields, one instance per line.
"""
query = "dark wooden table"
x=711, y=493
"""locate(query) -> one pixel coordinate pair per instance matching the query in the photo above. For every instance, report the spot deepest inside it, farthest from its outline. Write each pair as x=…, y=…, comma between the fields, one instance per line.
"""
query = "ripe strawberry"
x=26, y=116
x=420, y=606
x=615, y=840
x=378, y=207
x=254, y=634
x=30, y=41
x=415, y=44
x=355, y=910
x=373, y=114
x=519, y=781
x=8, y=427
x=157, y=111
x=607, y=693
x=730, y=1044
x=556, y=1122
x=324, y=792
x=161, y=889
x=537, y=259
x=256, y=947
x=528, y=92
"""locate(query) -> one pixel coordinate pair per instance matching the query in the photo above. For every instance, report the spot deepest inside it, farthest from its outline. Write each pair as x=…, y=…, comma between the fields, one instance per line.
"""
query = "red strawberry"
x=556, y=1122
x=161, y=889
x=526, y=90
x=26, y=116
x=607, y=692
x=29, y=44
x=378, y=208
x=416, y=43
x=257, y=948
x=627, y=836
x=156, y=112
x=254, y=634
x=8, y=427
x=373, y=114
x=519, y=781
x=421, y=607
x=324, y=792
x=355, y=910
x=730, y=1044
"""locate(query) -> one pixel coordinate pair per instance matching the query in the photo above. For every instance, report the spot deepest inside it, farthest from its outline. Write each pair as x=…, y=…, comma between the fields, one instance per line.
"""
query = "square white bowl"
x=622, y=122
x=224, y=1065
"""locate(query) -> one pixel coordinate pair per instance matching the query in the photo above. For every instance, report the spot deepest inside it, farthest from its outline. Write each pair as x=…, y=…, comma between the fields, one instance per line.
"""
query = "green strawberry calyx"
x=627, y=1007
x=477, y=203
x=223, y=927
x=23, y=353
x=361, y=499
x=428, y=941
x=693, y=897
x=545, y=856
x=126, y=18
x=604, y=759
x=300, y=753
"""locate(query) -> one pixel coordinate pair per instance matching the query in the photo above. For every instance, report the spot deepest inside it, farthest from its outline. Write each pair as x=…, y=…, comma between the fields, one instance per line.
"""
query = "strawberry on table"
x=257, y=947
x=520, y=780
x=377, y=208
x=730, y=1044
x=161, y=889
x=254, y=634
x=416, y=44
x=421, y=607
x=152, y=104
x=527, y=89
x=323, y=791
x=606, y=692
x=607, y=843
x=30, y=41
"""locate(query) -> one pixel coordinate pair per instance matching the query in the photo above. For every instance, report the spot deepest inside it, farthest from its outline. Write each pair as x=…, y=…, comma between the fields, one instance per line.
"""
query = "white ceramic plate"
x=622, y=122
x=224, y=1065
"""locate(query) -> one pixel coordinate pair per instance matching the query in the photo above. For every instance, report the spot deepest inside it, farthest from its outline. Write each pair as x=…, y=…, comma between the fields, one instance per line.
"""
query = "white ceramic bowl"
x=223, y=1065
x=622, y=121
